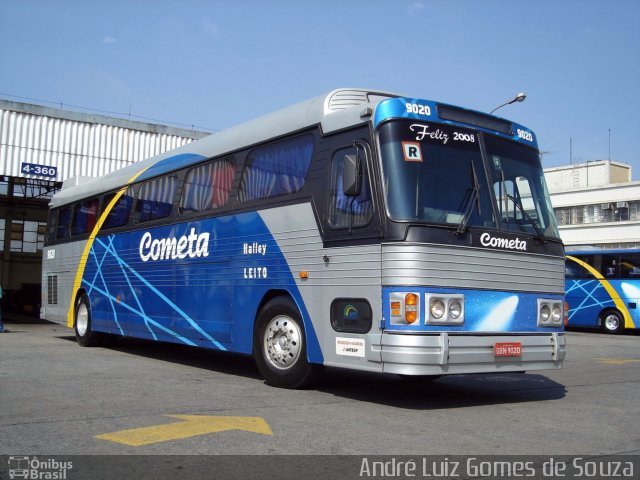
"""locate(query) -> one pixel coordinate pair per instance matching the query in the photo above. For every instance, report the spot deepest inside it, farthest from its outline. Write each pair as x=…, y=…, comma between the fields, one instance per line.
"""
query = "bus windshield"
x=435, y=174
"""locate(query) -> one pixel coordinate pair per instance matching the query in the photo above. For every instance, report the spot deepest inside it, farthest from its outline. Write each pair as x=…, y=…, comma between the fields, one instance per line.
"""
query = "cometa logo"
x=170, y=248
x=512, y=244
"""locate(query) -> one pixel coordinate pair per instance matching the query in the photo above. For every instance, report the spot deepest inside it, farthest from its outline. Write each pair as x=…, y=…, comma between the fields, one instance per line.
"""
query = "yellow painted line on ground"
x=191, y=426
x=617, y=361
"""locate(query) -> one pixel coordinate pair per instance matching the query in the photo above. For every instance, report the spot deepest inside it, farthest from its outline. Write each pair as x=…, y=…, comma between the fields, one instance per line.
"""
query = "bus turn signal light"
x=566, y=314
x=411, y=302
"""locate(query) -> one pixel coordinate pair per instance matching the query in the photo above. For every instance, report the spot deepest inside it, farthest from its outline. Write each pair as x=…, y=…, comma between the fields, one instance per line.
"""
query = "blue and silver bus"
x=603, y=289
x=359, y=229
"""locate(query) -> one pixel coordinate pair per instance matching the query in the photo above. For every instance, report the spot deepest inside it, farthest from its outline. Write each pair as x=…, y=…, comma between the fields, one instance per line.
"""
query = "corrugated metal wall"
x=74, y=147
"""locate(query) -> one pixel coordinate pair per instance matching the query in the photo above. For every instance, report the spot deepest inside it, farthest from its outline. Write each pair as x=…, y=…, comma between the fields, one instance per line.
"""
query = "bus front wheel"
x=612, y=321
x=85, y=336
x=279, y=346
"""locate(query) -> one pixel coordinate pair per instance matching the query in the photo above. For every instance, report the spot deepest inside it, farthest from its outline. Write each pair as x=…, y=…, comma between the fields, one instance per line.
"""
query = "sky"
x=214, y=64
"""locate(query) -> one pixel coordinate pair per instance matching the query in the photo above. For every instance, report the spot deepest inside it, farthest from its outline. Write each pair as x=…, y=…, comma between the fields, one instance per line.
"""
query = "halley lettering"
x=512, y=244
x=170, y=248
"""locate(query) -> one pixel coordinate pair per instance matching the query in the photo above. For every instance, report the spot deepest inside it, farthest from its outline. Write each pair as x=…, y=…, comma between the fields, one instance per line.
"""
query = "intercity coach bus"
x=603, y=289
x=359, y=229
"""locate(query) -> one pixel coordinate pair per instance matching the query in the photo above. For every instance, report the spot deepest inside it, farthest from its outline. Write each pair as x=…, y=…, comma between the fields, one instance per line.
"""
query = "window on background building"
x=26, y=236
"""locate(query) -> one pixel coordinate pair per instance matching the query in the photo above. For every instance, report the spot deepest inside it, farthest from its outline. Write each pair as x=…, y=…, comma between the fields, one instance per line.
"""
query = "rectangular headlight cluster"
x=444, y=309
x=550, y=313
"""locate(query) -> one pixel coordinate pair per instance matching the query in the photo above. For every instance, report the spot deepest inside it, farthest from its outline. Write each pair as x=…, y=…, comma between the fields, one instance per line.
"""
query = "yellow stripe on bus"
x=87, y=248
x=628, y=322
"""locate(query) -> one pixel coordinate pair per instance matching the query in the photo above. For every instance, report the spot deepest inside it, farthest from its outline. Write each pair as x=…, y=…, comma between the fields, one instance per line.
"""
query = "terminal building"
x=41, y=147
x=596, y=204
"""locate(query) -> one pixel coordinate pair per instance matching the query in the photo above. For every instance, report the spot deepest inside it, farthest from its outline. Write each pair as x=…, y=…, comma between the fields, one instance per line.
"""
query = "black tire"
x=612, y=321
x=85, y=336
x=280, y=346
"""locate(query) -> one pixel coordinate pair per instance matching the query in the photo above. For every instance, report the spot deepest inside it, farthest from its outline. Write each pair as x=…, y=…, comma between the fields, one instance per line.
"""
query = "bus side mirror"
x=351, y=176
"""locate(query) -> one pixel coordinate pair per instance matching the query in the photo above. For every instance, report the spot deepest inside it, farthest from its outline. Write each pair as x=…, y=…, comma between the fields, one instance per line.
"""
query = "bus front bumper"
x=448, y=353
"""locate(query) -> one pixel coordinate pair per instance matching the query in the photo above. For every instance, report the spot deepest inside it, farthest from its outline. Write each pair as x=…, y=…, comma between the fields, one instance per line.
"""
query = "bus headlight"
x=437, y=308
x=550, y=313
x=545, y=313
x=455, y=309
x=444, y=309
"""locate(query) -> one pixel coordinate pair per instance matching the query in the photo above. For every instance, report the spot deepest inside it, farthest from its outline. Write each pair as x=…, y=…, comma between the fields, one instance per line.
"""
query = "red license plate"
x=507, y=349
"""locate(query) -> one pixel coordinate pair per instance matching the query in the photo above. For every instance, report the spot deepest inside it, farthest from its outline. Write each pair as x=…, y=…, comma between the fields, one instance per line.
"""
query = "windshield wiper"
x=473, y=198
x=534, y=224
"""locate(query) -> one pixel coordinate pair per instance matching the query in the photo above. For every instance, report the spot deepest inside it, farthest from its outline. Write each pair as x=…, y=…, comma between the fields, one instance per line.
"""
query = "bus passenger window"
x=155, y=199
x=278, y=169
x=207, y=187
x=84, y=216
x=64, y=220
x=119, y=214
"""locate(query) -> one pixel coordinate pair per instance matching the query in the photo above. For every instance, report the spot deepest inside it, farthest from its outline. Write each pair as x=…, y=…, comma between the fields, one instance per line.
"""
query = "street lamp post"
x=518, y=98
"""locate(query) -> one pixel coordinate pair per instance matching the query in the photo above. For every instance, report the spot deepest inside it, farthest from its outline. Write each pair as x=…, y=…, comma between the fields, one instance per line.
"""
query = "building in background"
x=41, y=147
x=596, y=204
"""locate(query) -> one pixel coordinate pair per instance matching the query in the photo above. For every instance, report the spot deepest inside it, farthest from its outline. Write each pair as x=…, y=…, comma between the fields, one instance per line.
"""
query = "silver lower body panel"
x=448, y=353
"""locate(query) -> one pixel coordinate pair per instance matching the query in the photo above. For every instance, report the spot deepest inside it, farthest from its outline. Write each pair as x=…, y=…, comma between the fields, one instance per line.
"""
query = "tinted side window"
x=52, y=225
x=345, y=211
x=64, y=221
x=630, y=265
x=207, y=187
x=119, y=214
x=277, y=169
x=85, y=215
x=155, y=199
x=573, y=270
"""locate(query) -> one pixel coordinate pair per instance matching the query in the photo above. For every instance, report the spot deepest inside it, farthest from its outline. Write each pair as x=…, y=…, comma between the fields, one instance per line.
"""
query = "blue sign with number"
x=42, y=170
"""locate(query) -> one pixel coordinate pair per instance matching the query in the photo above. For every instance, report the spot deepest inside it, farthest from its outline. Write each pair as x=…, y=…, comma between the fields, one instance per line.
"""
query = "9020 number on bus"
x=525, y=135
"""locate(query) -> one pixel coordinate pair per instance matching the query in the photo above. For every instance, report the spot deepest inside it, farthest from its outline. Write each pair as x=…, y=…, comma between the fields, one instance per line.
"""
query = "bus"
x=603, y=289
x=360, y=229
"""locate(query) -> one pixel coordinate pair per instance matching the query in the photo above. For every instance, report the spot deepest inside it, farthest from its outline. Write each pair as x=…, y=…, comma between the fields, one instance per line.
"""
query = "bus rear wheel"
x=85, y=336
x=612, y=321
x=280, y=348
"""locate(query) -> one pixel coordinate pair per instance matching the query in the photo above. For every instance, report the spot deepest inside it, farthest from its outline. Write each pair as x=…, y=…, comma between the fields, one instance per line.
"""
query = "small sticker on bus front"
x=350, y=347
x=412, y=151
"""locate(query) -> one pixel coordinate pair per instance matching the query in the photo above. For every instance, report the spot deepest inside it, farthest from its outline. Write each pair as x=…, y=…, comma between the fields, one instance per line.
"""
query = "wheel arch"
x=314, y=352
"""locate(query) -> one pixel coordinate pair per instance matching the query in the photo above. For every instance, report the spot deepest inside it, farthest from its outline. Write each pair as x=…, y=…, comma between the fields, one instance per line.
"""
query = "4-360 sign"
x=42, y=170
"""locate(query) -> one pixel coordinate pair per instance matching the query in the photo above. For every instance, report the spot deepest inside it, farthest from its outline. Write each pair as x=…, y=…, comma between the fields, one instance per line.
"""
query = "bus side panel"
x=198, y=283
x=586, y=299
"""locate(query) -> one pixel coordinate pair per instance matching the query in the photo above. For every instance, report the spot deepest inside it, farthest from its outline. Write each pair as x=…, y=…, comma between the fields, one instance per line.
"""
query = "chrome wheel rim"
x=282, y=342
x=612, y=322
x=82, y=319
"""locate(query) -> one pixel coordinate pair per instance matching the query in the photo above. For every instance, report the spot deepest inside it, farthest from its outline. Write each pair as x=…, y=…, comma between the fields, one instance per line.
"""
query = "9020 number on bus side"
x=525, y=135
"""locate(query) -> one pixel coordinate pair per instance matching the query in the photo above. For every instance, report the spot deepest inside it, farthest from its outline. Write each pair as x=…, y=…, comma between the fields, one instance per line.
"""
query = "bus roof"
x=598, y=251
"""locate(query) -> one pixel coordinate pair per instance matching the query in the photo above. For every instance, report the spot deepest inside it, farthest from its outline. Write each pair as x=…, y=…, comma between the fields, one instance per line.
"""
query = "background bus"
x=358, y=229
x=603, y=289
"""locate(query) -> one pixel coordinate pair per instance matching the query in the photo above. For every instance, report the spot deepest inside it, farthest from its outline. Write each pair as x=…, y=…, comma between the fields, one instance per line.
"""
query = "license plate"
x=507, y=349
